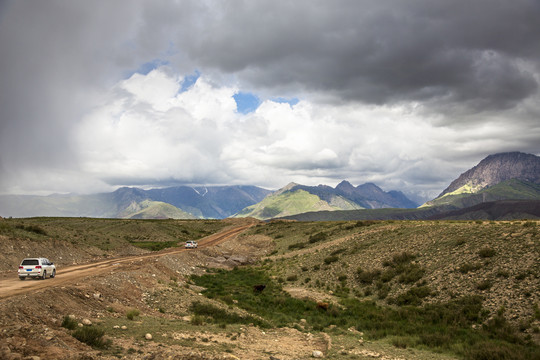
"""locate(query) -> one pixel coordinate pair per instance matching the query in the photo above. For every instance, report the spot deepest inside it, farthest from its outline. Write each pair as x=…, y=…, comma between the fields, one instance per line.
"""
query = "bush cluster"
x=91, y=336
x=132, y=314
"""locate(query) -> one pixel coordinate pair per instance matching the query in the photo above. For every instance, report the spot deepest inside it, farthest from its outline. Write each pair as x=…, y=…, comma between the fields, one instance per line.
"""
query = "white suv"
x=36, y=268
x=191, y=244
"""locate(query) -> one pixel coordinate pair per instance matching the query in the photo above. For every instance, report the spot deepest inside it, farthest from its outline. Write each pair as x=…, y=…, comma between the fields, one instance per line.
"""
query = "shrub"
x=292, y=277
x=465, y=268
x=399, y=259
x=32, y=228
x=413, y=296
x=91, y=336
x=362, y=223
x=367, y=277
x=522, y=275
x=297, y=246
x=410, y=273
x=484, y=285
x=317, y=237
x=132, y=314
x=197, y=320
x=487, y=252
x=331, y=259
x=69, y=323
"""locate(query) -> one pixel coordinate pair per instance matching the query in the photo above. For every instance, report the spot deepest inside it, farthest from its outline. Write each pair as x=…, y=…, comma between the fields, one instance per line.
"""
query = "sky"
x=408, y=95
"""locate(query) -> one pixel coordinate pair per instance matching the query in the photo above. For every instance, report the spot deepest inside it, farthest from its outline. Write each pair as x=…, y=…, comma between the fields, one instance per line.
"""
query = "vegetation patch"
x=154, y=245
x=318, y=237
x=454, y=326
x=218, y=315
x=468, y=267
x=92, y=336
x=487, y=252
x=132, y=314
x=69, y=323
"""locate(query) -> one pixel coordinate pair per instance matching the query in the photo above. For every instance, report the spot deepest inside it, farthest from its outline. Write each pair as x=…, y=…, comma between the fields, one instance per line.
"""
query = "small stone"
x=124, y=327
x=317, y=354
x=148, y=336
x=116, y=327
x=86, y=322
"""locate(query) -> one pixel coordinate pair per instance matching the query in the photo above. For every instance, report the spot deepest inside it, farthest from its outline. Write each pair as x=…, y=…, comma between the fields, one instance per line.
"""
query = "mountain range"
x=497, y=178
x=502, y=186
x=179, y=202
x=297, y=199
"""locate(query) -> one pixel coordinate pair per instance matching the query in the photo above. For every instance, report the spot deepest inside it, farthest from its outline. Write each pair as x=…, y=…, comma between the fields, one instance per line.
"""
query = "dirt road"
x=14, y=286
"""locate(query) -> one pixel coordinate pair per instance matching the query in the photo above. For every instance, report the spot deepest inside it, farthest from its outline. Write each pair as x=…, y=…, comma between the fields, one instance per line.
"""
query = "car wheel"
x=44, y=275
x=53, y=274
x=22, y=277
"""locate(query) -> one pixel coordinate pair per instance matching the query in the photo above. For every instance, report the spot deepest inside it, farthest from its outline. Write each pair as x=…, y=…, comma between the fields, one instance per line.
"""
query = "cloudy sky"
x=406, y=94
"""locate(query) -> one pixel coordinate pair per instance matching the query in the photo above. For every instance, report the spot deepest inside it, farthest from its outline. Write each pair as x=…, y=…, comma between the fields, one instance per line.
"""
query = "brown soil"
x=33, y=310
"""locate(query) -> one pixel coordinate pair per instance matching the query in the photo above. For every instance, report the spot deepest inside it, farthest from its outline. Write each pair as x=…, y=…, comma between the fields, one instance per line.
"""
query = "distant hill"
x=495, y=210
x=297, y=199
x=505, y=176
x=148, y=209
x=184, y=202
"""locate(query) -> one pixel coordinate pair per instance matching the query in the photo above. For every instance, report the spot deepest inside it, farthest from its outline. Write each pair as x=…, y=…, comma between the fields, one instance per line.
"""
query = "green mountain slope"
x=467, y=195
x=148, y=209
x=285, y=203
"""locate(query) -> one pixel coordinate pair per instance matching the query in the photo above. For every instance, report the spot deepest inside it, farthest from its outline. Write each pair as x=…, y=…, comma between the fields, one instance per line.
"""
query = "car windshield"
x=30, y=262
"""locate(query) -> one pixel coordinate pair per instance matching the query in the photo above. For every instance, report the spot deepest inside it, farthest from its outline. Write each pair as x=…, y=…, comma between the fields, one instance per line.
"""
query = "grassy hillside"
x=74, y=240
x=469, y=289
x=284, y=204
x=148, y=209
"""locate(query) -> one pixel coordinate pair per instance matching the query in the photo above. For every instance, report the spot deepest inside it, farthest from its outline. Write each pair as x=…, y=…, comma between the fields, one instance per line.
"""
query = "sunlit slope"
x=293, y=202
x=148, y=209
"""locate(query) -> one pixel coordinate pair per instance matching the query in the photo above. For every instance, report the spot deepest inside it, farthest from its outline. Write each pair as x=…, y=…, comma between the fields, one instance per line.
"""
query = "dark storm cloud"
x=56, y=58
x=425, y=62
x=480, y=53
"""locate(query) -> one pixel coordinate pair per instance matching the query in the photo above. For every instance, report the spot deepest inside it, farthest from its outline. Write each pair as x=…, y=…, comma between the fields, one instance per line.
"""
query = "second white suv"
x=36, y=268
x=191, y=244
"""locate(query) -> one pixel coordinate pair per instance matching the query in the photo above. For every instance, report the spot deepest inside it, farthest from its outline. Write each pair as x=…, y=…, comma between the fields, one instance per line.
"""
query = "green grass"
x=132, y=314
x=218, y=315
x=92, y=336
x=438, y=326
x=154, y=245
x=69, y=323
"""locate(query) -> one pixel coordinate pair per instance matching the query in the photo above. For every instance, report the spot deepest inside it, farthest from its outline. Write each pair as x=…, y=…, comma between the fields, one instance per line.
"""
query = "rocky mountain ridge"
x=297, y=199
x=497, y=168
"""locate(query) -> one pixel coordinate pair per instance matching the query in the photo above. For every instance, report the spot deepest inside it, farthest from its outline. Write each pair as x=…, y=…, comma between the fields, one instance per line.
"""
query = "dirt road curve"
x=14, y=286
